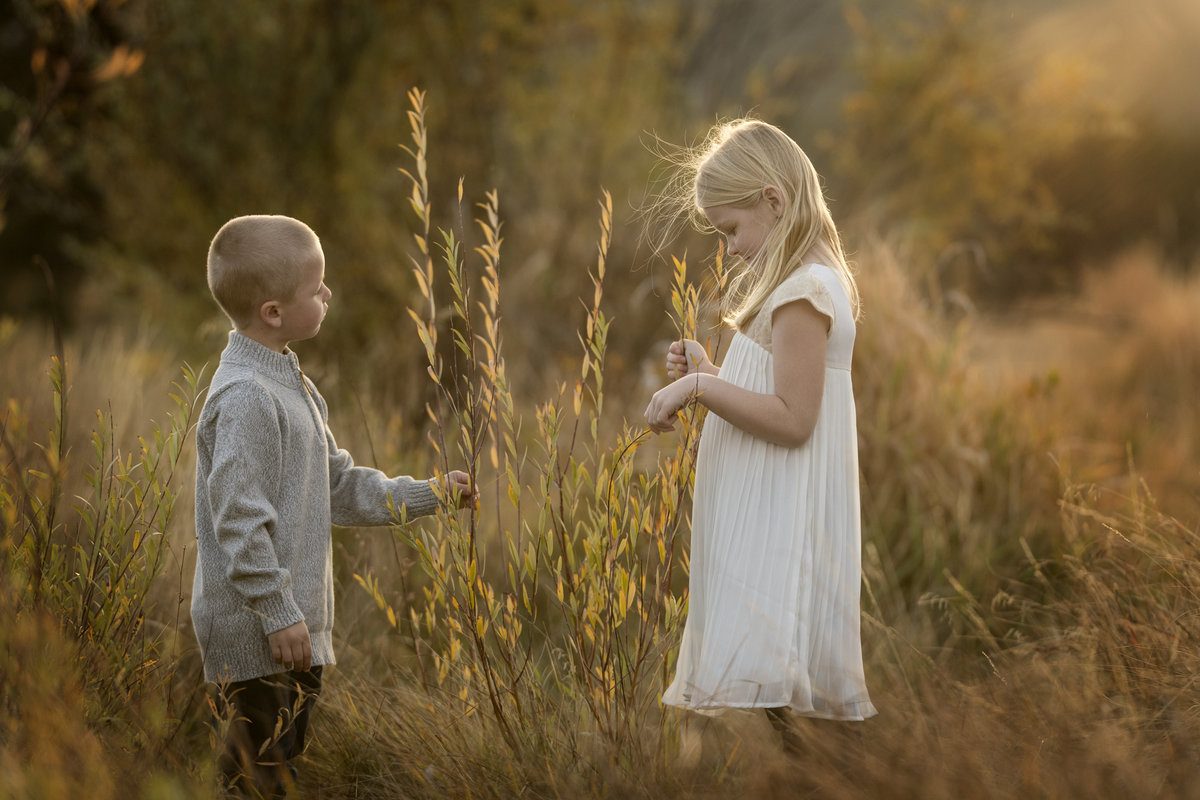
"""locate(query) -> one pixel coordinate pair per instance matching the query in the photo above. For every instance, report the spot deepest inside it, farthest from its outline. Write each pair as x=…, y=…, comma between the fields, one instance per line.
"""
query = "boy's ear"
x=774, y=199
x=270, y=313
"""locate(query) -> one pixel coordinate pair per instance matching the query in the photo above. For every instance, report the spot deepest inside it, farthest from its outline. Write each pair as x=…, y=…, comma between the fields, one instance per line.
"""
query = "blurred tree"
x=1132, y=190
x=788, y=63
x=56, y=58
x=1141, y=186
x=298, y=109
x=237, y=111
x=582, y=84
x=949, y=136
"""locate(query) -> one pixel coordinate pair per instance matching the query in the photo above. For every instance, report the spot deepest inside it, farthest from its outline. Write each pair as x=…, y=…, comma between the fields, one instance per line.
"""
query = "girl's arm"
x=786, y=417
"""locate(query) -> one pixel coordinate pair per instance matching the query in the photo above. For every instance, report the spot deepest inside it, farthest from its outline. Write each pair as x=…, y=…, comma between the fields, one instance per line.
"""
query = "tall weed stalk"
x=555, y=601
x=90, y=561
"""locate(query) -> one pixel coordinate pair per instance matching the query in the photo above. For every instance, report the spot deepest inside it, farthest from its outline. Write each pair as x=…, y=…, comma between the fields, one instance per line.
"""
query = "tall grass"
x=549, y=611
x=957, y=478
x=88, y=681
x=1027, y=634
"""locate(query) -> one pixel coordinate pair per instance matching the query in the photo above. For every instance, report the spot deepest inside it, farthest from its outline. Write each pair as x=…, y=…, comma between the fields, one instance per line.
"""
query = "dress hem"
x=810, y=713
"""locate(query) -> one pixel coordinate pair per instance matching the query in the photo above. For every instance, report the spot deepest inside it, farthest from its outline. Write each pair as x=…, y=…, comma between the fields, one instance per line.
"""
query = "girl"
x=773, y=611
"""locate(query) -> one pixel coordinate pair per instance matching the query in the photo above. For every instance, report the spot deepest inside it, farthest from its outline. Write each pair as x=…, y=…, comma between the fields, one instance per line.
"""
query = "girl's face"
x=744, y=228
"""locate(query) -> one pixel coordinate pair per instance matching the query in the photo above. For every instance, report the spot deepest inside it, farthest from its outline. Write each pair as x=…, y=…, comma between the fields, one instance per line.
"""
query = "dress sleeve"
x=802, y=285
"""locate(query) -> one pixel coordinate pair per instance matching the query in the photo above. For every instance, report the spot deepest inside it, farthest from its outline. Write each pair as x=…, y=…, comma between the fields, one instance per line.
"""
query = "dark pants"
x=268, y=722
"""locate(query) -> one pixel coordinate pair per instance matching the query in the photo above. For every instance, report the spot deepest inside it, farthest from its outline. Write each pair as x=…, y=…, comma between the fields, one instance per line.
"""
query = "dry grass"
x=1117, y=368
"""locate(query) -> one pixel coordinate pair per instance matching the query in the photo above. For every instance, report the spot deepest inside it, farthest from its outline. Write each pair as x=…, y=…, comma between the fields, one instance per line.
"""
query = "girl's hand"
x=687, y=357
x=460, y=491
x=666, y=402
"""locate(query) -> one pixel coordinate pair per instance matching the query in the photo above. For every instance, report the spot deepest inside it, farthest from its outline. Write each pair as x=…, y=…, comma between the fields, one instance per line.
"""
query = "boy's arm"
x=246, y=470
x=359, y=495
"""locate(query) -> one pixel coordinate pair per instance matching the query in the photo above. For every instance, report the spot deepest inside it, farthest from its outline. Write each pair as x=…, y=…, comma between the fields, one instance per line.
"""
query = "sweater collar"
x=283, y=367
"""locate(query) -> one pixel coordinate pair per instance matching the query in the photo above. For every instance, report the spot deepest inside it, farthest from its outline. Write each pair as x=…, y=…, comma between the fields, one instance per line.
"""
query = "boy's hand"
x=292, y=647
x=458, y=486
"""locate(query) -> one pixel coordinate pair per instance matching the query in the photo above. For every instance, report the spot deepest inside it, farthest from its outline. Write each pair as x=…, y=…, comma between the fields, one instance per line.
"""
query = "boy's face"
x=301, y=316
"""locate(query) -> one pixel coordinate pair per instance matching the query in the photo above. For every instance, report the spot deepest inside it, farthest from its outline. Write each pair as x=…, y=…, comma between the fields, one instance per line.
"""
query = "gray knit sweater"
x=270, y=482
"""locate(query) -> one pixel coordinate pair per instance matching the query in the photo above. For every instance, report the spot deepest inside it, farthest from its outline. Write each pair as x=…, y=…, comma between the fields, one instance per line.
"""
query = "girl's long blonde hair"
x=733, y=166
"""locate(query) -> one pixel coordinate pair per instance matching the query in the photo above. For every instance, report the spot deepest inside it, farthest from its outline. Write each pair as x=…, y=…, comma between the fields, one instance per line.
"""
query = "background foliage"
x=1002, y=141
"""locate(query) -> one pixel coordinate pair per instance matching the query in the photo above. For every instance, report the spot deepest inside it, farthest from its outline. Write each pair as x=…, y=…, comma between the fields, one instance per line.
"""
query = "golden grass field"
x=1031, y=563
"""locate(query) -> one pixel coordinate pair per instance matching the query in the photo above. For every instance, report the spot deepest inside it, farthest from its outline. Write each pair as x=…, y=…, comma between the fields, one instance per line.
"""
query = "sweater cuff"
x=419, y=500
x=276, y=612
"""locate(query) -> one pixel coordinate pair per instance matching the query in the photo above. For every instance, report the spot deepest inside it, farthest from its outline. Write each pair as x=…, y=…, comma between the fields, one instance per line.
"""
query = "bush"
x=87, y=695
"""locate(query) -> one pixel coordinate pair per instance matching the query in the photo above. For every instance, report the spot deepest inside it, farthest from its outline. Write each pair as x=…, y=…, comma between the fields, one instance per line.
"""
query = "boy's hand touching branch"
x=292, y=647
x=459, y=491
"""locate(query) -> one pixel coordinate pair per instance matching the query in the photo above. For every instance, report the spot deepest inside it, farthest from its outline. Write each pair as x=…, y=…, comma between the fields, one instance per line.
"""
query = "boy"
x=270, y=482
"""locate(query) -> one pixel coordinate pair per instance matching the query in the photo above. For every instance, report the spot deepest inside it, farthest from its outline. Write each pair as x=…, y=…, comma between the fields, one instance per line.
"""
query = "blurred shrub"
x=949, y=139
x=58, y=59
x=47, y=747
x=256, y=107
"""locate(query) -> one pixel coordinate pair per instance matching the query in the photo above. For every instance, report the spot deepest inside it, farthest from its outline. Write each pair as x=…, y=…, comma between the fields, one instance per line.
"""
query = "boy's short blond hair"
x=257, y=258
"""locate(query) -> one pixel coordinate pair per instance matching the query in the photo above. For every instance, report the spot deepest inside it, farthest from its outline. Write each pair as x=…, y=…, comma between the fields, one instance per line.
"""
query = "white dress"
x=773, y=607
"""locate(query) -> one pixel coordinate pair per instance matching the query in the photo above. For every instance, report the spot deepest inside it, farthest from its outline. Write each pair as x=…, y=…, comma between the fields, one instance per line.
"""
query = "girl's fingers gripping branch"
x=687, y=357
x=677, y=365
